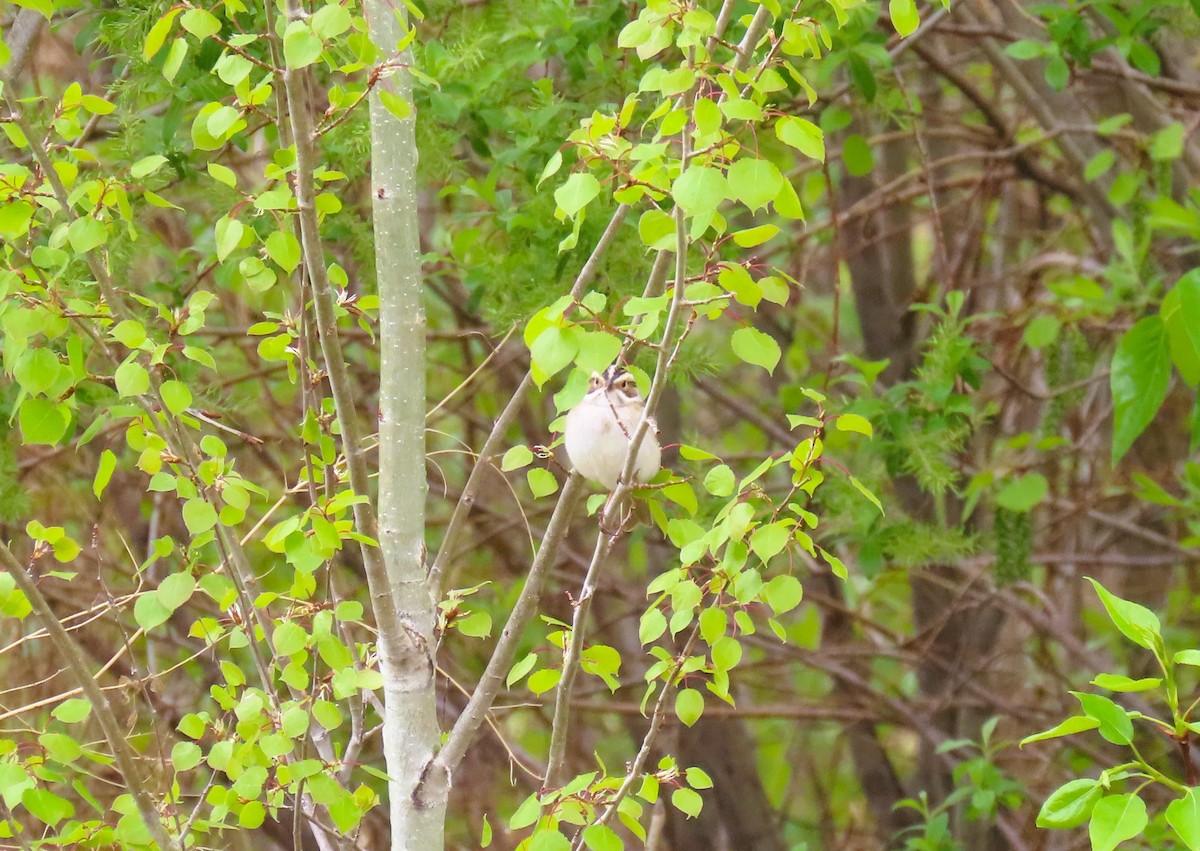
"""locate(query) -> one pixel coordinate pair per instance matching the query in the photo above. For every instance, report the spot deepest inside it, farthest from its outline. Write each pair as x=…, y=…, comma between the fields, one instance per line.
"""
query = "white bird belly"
x=597, y=444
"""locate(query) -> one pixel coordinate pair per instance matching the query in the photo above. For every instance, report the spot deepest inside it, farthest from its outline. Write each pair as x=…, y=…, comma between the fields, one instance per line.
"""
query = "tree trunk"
x=410, y=729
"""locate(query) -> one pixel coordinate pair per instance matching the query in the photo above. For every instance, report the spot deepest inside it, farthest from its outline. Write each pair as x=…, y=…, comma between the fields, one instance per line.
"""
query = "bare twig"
x=71, y=655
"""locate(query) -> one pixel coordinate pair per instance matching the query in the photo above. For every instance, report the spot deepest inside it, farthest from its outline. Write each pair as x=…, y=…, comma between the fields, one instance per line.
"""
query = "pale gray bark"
x=410, y=729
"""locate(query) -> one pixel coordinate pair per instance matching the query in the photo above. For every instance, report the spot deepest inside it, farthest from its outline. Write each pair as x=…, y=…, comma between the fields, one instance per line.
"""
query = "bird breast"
x=598, y=435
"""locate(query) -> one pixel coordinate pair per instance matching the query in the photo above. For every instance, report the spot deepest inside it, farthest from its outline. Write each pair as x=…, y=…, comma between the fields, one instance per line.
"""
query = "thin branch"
x=494, y=439
x=21, y=36
x=340, y=384
x=522, y=613
x=71, y=655
x=656, y=721
x=610, y=516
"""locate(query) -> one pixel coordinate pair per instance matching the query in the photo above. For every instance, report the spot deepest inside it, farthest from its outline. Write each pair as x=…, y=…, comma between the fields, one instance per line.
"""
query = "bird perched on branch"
x=600, y=428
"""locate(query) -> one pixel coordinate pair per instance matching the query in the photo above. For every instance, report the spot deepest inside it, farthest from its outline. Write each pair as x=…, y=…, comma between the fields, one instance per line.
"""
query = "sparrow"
x=600, y=428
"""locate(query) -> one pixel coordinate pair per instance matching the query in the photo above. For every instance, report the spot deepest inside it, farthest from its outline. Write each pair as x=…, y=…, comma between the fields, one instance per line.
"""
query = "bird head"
x=617, y=383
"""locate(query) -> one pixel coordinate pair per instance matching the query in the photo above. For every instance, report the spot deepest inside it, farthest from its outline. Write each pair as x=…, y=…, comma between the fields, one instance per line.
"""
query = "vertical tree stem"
x=410, y=729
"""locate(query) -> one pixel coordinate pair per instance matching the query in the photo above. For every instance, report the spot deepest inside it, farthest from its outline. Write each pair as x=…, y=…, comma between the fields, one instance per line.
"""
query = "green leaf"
x=174, y=61
x=548, y=840
x=200, y=22
x=284, y=249
x=1099, y=165
x=865, y=491
x=601, y=837
x=687, y=802
x=1041, y=331
x=699, y=190
x=1058, y=73
x=129, y=333
x=855, y=423
x=542, y=681
x=229, y=234
x=516, y=458
x=751, y=237
x=15, y=217
x=634, y=33
x=156, y=200
x=132, y=379
x=552, y=166
x=1136, y=622
x=713, y=625
x=1180, y=311
x=676, y=81
x=519, y=670
x=158, y=34
x=301, y=47
x=331, y=20
x=597, y=349
x=199, y=515
x=1115, y=682
x=802, y=135
x=783, y=593
x=720, y=481
x=176, y=396
x=43, y=421
x=104, y=471
x=327, y=714
x=904, y=16
x=526, y=814
x=835, y=564
x=755, y=347
x=475, y=625
x=1183, y=814
x=579, y=190
x=1023, y=494
x=175, y=590
x=541, y=482
x=73, y=711
x=698, y=778
x=293, y=723
x=1116, y=818
x=232, y=69
x=396, y=105
x=768, y=541
x=1167, y=144
x=689, y=705
x=149, y=612
x=652, y=625
x=1141, y=374
x=552, y=351
x=1025, y=49
x=185, y=755
x=1115, y=725
x=657, y=230
x=1074, y=724
x=737, y=281
x=288, y=638
x=253, y=814
x=147, y=165
x=86, y=234
x=726, y=653
x=222, y=175
x=1070, y=805
x=47, y=807
x=754, y=182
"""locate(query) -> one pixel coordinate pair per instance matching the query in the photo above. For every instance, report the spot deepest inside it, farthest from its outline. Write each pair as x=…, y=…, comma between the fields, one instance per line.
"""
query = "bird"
x=600, y=428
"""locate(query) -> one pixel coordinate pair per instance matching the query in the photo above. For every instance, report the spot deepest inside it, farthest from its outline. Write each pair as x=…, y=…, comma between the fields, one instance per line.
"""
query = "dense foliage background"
x=985, y=288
